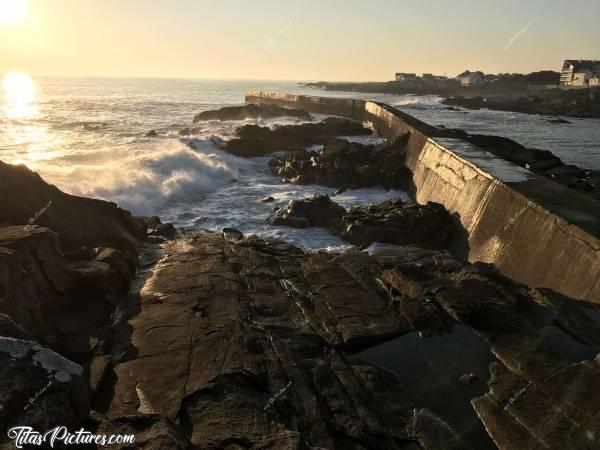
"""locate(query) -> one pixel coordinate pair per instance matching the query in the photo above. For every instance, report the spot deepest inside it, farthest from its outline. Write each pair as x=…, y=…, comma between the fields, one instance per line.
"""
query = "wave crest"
x=174, y=173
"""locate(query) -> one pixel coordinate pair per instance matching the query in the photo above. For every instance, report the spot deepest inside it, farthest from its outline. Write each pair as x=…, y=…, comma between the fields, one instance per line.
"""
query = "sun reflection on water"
x=25, y=140
x=20, y=95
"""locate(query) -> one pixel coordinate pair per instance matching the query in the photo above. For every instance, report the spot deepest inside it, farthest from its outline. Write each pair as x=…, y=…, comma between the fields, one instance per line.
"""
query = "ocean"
x=88, y=137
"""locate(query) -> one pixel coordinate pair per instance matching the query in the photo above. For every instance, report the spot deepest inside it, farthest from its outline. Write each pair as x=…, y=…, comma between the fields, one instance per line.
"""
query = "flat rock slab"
x=242, y=342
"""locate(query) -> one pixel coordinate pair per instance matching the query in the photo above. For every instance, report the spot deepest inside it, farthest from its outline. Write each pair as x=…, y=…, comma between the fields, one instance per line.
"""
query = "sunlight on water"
x=20, y=92
x=27, y=142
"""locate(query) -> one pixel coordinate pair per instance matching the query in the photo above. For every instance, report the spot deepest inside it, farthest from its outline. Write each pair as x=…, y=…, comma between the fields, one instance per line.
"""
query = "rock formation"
x=251, y=111
x=60, y=286
x=242, y=341
x=391, y=222
x=254, y=140
x=555, y=102
x=345, y=164
x=81, y=223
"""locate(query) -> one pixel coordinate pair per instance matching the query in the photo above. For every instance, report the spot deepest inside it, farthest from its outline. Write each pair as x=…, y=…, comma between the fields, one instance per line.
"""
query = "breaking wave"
x=419, y=102
x=167, y=175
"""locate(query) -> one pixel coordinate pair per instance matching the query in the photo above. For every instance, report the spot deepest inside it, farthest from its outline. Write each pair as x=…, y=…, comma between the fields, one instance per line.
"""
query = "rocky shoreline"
x=578, y=103
x=220, y=340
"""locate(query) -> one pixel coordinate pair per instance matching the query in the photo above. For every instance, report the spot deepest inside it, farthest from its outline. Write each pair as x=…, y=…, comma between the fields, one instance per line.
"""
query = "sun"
x=13, y=11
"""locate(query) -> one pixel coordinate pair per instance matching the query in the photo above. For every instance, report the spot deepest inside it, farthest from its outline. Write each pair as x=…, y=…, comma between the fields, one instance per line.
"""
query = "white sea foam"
x=171, y=173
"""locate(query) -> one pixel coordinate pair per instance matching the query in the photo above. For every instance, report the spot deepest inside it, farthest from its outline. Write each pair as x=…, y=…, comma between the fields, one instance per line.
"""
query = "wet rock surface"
x=238, y=339
x=391, y=222
x=318, y=211
x=345, y=164
x=251, y=111
x=254, y=140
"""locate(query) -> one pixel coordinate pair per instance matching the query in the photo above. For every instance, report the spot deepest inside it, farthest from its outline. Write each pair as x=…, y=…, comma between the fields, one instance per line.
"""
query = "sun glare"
x=13, y=11
x=19, y=90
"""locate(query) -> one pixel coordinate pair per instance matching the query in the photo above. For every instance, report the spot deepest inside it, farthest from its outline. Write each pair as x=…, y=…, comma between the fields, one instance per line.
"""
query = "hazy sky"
x=294, y=40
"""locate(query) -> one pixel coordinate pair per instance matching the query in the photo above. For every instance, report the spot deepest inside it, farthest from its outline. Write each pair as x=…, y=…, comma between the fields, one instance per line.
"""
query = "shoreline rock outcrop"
x=66, y=263
x=254, y=140
x=345, y=164
x=81, y=223
x=251, y=111
x=553, y=103
x=390, y=222
x=245, y=340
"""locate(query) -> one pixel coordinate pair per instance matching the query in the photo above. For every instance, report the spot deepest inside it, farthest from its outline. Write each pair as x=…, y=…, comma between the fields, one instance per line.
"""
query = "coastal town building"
x=472, y=79
x=432, y=77
x=401, y=76
x=579, y=73
x=595, y=81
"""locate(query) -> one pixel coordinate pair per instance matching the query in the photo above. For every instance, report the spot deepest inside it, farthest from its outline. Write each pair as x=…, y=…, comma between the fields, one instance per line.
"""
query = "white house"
x=472, y=79
x=594, y=81
x=582, y=77
x=400, y=76
x=579, y=72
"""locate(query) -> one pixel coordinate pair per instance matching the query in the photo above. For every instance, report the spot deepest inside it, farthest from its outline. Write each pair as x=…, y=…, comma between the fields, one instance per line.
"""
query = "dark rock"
x=154, y=228
x=232, y=235
x=556, y=102
x=33, y=274
x=566, y=171
x=149, y=222
x=8, y=328
x=433, y=433
x=318, y=211
x=151, y=133
x=393, y=222
x=347, y=165
x=27, y=199
x=150, y=431
x=268, y=199
x=251, y=111
x=122, y=264
x=340, y=191
x=39, y=388
x=189, y=131
x=544, y=165
x=389, y=222
x=254, y=140
x=99, y=371
x=467, y=378
x=166, y=230
x=558, y=121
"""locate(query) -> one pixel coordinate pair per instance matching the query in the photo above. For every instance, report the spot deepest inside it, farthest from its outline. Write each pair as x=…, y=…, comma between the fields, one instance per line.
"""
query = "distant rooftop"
x=582, y=64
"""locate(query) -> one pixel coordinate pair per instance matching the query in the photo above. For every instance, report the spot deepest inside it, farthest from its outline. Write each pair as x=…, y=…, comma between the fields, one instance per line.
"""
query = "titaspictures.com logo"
x=61, y=435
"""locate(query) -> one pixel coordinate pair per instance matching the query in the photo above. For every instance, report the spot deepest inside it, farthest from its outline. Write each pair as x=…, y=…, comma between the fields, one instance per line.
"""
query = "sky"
x=334, y=40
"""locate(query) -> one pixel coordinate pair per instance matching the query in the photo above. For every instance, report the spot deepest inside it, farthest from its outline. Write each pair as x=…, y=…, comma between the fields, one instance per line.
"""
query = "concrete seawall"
x=534, y=230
